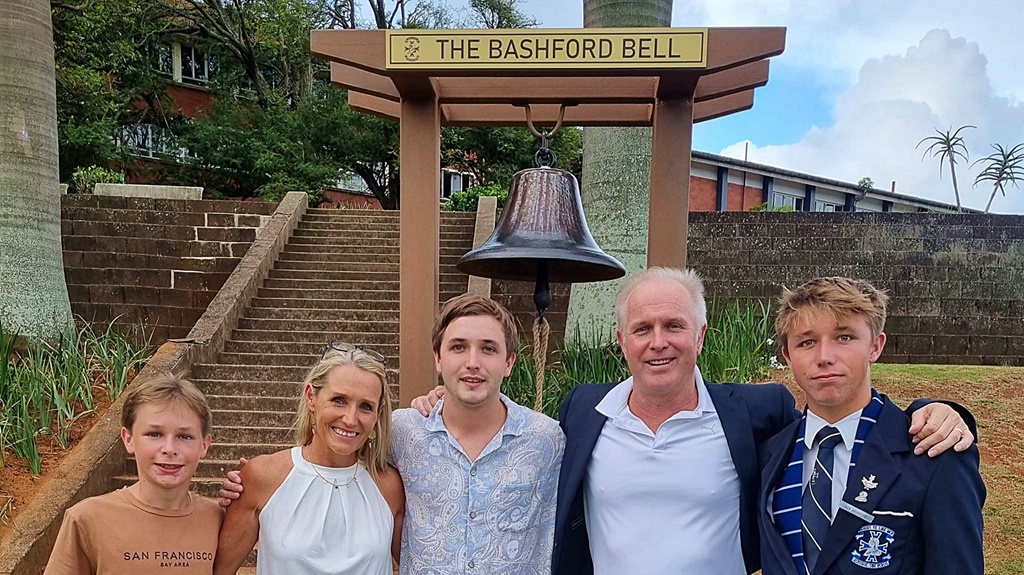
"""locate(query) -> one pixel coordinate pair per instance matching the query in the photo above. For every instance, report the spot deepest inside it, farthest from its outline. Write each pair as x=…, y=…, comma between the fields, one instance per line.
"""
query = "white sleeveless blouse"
x=311, y=527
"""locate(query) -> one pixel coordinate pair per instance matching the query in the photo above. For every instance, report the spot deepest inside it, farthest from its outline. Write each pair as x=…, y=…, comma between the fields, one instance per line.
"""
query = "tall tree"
x=616, y=175
x=1002, y=167
x=33, y=294
x=948, y=146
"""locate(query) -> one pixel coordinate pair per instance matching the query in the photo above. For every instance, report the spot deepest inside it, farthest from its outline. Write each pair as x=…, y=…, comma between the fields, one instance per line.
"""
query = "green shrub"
x=466, y=200
x=45, y=388
x=83, y=180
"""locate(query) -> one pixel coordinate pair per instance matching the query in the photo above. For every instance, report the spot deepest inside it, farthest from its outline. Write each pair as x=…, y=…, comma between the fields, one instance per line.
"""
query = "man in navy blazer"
x=660, y=472
x=882, y=510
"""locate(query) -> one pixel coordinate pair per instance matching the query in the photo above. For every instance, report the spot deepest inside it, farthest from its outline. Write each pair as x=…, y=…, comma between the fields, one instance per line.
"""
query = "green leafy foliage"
x=83, y=180
x=46, y=388
x=467, y=200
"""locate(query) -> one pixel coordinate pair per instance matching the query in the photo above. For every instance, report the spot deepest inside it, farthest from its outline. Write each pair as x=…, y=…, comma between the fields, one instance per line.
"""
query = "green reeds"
x=45, y=388
x=737, y=348
x=738, y=345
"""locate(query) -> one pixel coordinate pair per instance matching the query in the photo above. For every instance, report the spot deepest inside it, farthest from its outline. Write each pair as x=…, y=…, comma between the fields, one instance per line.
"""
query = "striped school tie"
x=816, y=514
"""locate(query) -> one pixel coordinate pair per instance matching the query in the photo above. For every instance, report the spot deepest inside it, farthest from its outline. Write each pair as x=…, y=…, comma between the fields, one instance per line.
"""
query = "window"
x=151, y=141
x=822, y=206
x=185, y=64
x=786, y=201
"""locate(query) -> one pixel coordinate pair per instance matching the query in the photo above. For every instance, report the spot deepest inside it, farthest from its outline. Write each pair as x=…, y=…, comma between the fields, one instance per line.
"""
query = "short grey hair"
x=686, y=278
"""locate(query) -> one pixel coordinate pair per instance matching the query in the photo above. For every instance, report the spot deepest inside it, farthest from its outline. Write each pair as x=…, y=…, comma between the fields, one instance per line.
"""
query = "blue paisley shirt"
x=495, y=515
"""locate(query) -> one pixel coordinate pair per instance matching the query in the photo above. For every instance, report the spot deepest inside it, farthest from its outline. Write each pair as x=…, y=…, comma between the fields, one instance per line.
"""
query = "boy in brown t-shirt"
x=156, y=525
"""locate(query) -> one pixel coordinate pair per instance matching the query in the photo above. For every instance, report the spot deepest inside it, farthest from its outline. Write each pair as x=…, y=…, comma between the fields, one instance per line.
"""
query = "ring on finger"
x=961, y=430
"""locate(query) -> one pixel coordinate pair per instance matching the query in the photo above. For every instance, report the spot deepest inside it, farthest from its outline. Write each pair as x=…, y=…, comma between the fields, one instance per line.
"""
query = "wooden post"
x=670, y=182
x=420, y=224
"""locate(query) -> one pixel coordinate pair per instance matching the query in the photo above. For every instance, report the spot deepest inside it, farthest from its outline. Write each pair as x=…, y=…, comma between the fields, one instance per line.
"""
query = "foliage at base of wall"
x=467, y=200
x=45, y=389
x=738, y=347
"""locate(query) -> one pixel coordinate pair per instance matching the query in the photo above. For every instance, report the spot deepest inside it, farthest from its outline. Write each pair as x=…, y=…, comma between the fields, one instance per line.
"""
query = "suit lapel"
x=888, y=436
x=781, y=451
x=579, y=446
x=735, y=418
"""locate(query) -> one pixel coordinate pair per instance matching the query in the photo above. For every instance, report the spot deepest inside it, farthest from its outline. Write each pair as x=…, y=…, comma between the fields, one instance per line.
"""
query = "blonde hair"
x=374, y=454
x=166, y=389
x=838, y=297
x=686, y=278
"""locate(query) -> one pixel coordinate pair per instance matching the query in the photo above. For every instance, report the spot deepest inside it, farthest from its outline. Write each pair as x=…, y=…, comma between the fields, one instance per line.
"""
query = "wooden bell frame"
x=668, y=100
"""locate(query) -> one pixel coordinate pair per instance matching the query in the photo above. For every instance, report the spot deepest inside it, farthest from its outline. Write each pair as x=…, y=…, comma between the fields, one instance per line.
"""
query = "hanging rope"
x=541, y=331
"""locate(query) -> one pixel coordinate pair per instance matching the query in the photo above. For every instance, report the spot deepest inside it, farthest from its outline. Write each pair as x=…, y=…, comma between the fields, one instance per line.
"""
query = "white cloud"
x=896, y=101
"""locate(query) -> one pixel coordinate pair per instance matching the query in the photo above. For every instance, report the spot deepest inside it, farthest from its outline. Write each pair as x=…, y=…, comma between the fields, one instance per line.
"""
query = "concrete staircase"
x=337, y=279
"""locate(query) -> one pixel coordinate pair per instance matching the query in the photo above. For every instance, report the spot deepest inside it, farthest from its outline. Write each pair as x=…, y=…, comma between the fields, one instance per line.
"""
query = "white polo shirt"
x=665, y=502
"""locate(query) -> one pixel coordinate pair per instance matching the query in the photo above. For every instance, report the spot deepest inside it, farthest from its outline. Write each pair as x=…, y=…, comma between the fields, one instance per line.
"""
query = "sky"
x=862, y=82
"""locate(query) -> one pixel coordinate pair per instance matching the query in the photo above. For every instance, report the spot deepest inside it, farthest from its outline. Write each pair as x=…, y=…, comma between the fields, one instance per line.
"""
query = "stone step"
x=264, y=388
x=268, y=418
x=323, y=300
x=373, y=315
x=234, y=451
x=83, y=213
x=358, y=251
x=314, y=336
x=368, y=288
x=384, y=298
x=167, y=232
x=257, y=375
x=354, y=240
x=83, y=259
x=328, y=327
x=370, y=231
x=160, y=247
x=253, y=434
x=304, y=264
x=250, y=374
x=292, y=347
x=201, y=206
x=319, y=273
x=341, y=258
x=342, y=224
x=251, y=402
x=291, y=359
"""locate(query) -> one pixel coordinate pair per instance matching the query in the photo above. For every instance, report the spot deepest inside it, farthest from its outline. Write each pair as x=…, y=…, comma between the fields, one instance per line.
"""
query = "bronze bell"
x=542, y=223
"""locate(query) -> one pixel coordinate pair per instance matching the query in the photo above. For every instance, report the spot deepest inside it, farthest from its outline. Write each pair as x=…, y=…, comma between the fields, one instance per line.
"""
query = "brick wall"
x=158, y=262
x=954, y=279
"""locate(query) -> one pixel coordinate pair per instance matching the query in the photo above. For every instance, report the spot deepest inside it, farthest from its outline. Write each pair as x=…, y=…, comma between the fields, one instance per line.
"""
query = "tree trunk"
x=956, y=188
x=995, y=189
x=33, y=294
x=616, y=181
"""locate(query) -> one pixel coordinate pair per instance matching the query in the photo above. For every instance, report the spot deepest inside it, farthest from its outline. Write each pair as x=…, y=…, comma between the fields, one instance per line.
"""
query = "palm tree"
x=948, y=146
x=33, y=294
x=616, y=177
x=1005, y=166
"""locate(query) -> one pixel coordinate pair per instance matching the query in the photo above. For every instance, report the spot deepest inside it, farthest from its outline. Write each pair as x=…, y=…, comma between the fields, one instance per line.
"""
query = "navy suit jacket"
x=926, y=511
x=750, y=414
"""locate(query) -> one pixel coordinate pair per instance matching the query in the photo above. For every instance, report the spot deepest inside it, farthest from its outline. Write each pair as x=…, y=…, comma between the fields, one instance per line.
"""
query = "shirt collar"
x=616, y=402
x=515, y=420
x=847, y=427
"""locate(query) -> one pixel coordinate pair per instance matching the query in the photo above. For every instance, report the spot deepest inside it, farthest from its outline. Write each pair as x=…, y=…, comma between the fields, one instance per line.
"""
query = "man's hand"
x=231, y=487
x=425, y=403
x=936, y=427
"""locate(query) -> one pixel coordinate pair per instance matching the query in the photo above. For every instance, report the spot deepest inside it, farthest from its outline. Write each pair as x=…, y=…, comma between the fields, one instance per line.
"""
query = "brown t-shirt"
x=116, y=534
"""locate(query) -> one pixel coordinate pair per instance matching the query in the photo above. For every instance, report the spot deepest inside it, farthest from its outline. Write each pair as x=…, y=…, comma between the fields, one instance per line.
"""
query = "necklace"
x=335, y=483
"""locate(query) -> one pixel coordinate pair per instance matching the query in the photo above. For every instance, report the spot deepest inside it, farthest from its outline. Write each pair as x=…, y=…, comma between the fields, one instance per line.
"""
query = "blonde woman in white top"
x=330, y=505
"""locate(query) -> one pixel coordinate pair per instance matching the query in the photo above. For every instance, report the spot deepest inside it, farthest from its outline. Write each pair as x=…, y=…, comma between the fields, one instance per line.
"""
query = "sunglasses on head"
x=348, y=347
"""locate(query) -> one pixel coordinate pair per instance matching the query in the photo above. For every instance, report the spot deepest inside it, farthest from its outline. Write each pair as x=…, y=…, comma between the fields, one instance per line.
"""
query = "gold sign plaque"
x=540, y=48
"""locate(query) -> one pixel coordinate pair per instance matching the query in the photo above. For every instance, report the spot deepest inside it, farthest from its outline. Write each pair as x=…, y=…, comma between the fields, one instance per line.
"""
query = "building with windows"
x=718, y=183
